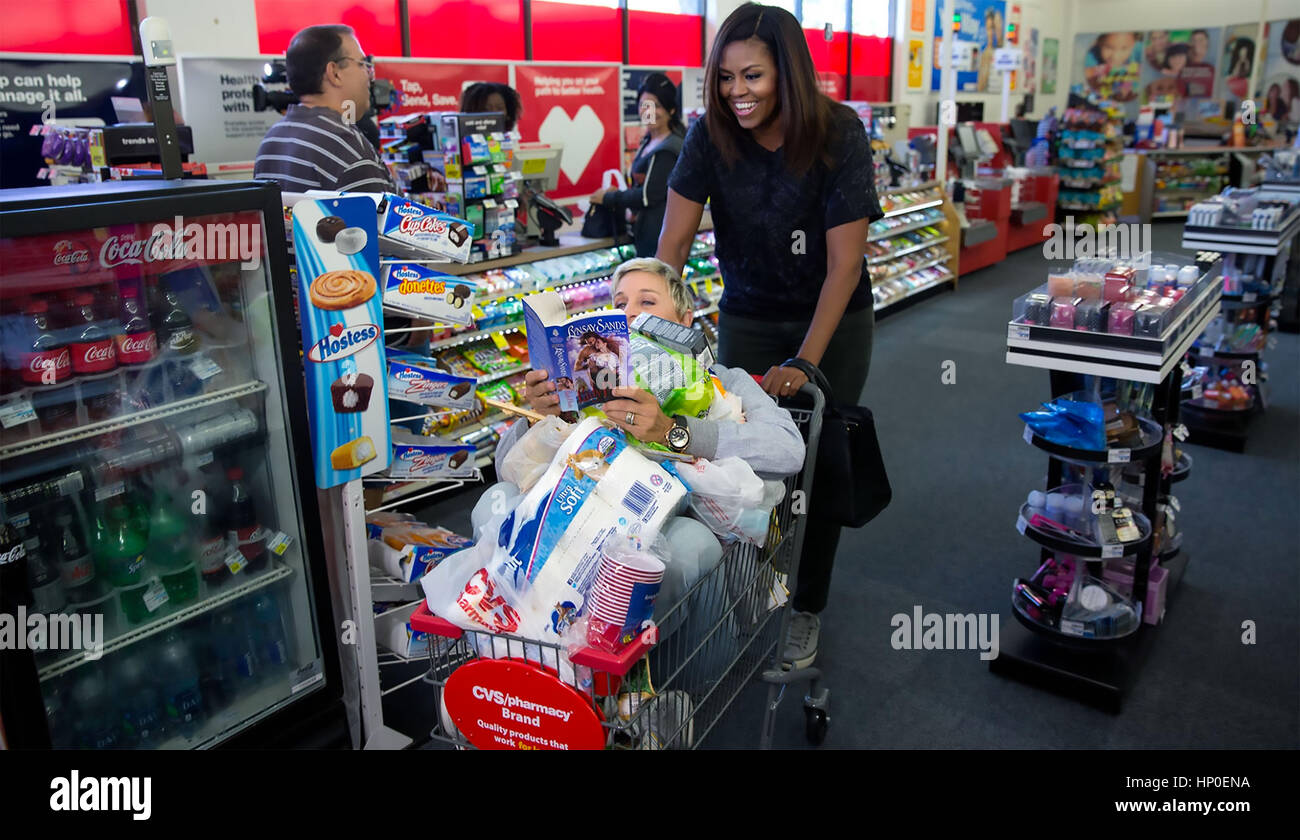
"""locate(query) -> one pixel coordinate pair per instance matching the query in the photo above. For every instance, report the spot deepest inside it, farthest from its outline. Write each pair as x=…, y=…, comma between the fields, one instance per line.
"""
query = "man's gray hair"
x=683, y=301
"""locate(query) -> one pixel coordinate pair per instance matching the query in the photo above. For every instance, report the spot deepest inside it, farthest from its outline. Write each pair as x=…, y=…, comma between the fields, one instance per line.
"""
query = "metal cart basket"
x=669, y=688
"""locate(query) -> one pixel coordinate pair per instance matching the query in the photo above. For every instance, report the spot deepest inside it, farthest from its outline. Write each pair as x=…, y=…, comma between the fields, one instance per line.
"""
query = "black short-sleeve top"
x=771, y=225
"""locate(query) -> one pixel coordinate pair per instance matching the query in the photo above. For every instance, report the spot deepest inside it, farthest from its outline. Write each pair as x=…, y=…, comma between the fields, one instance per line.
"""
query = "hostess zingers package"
x=413, y=231
x=531, y=576
x=337, y=249
x=416, y=379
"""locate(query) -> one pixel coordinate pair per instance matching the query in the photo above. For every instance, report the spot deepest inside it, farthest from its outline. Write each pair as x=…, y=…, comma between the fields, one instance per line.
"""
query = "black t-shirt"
x=758, y=206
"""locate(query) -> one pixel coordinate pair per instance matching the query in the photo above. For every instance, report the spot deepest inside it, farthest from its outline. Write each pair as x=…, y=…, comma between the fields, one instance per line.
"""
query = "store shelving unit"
x=1087, y=159
x=1169, y=181
x=1209, y=423
x=898, y=275
x=1100, y=671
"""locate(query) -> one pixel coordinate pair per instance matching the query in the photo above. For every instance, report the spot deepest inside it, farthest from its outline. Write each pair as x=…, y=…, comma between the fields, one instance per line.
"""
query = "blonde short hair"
x=683, y=301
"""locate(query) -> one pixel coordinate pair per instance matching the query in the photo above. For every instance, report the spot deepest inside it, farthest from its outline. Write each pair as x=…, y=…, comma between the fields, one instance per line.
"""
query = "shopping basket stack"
x=666, y=690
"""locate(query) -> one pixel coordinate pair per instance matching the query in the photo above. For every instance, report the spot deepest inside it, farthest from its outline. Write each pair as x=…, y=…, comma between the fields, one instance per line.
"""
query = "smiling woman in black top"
x=787, y=172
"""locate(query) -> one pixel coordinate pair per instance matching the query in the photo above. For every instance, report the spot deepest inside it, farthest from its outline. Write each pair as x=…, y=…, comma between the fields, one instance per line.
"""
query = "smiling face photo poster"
x=983, y=22
x=1236, y=61
x=580, y=108
x=1279, y=90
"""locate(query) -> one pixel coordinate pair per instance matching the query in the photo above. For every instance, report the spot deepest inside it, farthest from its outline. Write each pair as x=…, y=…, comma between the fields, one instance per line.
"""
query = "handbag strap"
x=814, y=375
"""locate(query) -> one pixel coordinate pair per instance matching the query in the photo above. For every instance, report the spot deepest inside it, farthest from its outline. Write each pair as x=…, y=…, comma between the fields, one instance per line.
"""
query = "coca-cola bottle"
x=175, y=329
x=137, y=344
x=42, y=574
x=17, y=662
x=245, y=531
x=212, y=546
x=93, y=349
x=76, y=564
x=45, y=358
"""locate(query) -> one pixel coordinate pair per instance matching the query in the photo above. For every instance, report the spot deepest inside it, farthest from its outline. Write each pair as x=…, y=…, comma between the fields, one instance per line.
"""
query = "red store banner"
x=579, y=107
x=429, y=86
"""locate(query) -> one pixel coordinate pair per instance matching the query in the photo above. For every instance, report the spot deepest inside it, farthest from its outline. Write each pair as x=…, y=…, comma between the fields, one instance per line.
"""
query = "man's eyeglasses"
x=364, y=62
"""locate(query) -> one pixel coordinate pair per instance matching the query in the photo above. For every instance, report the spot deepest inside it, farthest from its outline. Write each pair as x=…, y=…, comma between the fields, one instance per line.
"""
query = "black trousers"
x=756, y=346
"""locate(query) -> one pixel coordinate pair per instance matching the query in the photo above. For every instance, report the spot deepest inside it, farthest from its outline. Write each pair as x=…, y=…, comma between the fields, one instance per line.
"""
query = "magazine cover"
x=586, y=355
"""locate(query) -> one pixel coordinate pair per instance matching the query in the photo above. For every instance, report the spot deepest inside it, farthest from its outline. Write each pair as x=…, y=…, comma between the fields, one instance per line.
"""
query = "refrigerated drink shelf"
x=126, y=421
x=230, y=592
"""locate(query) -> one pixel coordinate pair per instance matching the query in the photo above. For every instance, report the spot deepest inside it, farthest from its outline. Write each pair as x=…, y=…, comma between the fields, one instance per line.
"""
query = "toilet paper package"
x=534, y=578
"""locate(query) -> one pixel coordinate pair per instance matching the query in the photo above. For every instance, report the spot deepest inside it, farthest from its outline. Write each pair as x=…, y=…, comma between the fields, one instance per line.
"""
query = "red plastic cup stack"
x=622, y=598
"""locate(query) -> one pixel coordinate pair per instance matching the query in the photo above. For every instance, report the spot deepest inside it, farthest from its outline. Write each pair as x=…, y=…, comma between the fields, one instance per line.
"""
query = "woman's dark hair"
x=1241, y=45
x=309, y=51
x=1176, y=49
x=474, y=100
x=806, y=110
x=662, y=88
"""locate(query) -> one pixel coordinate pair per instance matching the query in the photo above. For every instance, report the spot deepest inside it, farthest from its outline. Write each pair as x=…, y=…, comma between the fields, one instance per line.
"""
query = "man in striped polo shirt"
x=317, y=146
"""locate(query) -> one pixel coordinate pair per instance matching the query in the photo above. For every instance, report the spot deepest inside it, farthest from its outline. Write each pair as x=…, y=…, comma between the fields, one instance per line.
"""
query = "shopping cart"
x=670, y=687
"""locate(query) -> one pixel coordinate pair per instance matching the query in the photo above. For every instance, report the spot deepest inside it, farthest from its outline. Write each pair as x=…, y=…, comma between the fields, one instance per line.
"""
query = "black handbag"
x=603, y=223
x=849, y=463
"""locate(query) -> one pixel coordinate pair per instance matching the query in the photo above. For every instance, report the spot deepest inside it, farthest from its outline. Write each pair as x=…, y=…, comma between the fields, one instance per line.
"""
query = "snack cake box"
x=416, y=379
x=421, y=290
x=414, y=231
x=336, y=245
x=415, y=456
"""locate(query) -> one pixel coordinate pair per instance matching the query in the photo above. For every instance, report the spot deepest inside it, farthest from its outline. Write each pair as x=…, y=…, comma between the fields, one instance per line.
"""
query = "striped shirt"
x=311, y=148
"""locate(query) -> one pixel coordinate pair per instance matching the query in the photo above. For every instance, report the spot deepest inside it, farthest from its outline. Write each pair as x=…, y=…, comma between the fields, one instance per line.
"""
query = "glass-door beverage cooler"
x=161, y=574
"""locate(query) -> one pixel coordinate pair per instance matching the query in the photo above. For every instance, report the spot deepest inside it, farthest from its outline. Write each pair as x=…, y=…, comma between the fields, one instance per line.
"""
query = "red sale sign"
x=427, y=86
x=580, y=108
x=501, y=704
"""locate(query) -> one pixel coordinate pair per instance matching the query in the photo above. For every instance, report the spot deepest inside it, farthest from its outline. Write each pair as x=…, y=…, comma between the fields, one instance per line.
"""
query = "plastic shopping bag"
x=533, y=453
x=730, y=499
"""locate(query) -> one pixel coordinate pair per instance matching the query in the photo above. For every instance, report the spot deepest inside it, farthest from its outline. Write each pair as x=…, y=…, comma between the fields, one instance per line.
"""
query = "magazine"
x=585, y=355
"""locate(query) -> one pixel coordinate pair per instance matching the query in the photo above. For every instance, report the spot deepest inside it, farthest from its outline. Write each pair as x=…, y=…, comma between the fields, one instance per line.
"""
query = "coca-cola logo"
x=53, y=364
x=138, y=347
x=127, y=250
x=98, y=353
x=13, y=554
x=427, y=224
x=67, y=252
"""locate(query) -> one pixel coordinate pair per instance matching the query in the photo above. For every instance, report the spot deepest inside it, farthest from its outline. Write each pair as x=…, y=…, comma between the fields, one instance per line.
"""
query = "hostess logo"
x=405, y=274
x=343, y=341
x=408, y=210
x=408, y=375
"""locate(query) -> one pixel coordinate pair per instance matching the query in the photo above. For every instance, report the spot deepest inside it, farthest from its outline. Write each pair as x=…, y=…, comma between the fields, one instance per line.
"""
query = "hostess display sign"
x=336, y=243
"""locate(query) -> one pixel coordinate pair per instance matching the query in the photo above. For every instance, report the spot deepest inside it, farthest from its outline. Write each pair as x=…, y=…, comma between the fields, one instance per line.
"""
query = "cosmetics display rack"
x=1099, y=671
x=1089, y=146
x=910, y=252
x=1257, y=266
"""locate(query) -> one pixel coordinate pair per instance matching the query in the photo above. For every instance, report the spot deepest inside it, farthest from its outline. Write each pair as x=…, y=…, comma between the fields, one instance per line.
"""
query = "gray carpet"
x=947, y=543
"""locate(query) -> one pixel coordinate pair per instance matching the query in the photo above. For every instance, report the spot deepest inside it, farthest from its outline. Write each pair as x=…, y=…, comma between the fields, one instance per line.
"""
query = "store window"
x=71, y=27
x=577, y=30
x=376, y=22
x=483, y=29
x=870, y=50
x=666, y=32
x=829, y=57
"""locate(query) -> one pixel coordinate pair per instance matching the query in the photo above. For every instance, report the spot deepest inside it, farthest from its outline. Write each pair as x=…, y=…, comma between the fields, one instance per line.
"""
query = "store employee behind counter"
x=789, y=176
x=314, y=147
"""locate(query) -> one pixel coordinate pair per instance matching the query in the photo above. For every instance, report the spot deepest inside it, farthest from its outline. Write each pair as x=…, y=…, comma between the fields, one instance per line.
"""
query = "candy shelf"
x=1090, y=548
x=920, y=246
x=1151, y=440
x=886, y=234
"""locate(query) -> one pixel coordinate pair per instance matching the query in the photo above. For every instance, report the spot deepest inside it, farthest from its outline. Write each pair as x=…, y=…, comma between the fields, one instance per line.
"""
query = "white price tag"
x=489, y=204
x=1029, y=435
x=204, y=368
x=204, y=459
x=1175, y=504
x=108, y=491
x=22, y=520
x=1019, y=332
x=1109, y=552
x=235, y=561
x=280, y=543
x=155, y=596
x=1072, y=628
x=1248, y=297
x=1180, y=432
x=17, y=413
x=1021, y=524
x=1118, y=456
x=307, y=683
x=1198, y=390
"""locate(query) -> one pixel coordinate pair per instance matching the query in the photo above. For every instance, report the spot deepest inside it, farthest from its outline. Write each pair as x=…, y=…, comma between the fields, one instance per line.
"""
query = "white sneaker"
x=801, y=640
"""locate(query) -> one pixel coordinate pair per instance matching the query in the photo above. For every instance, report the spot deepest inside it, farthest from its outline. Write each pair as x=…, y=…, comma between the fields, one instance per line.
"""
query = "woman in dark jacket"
x=648, y=194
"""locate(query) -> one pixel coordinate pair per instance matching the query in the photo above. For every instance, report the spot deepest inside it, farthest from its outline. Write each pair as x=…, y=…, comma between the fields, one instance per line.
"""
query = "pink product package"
x=1060, y=285
x=1116, y=289
x=1121, y=318
x=1063, y=312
